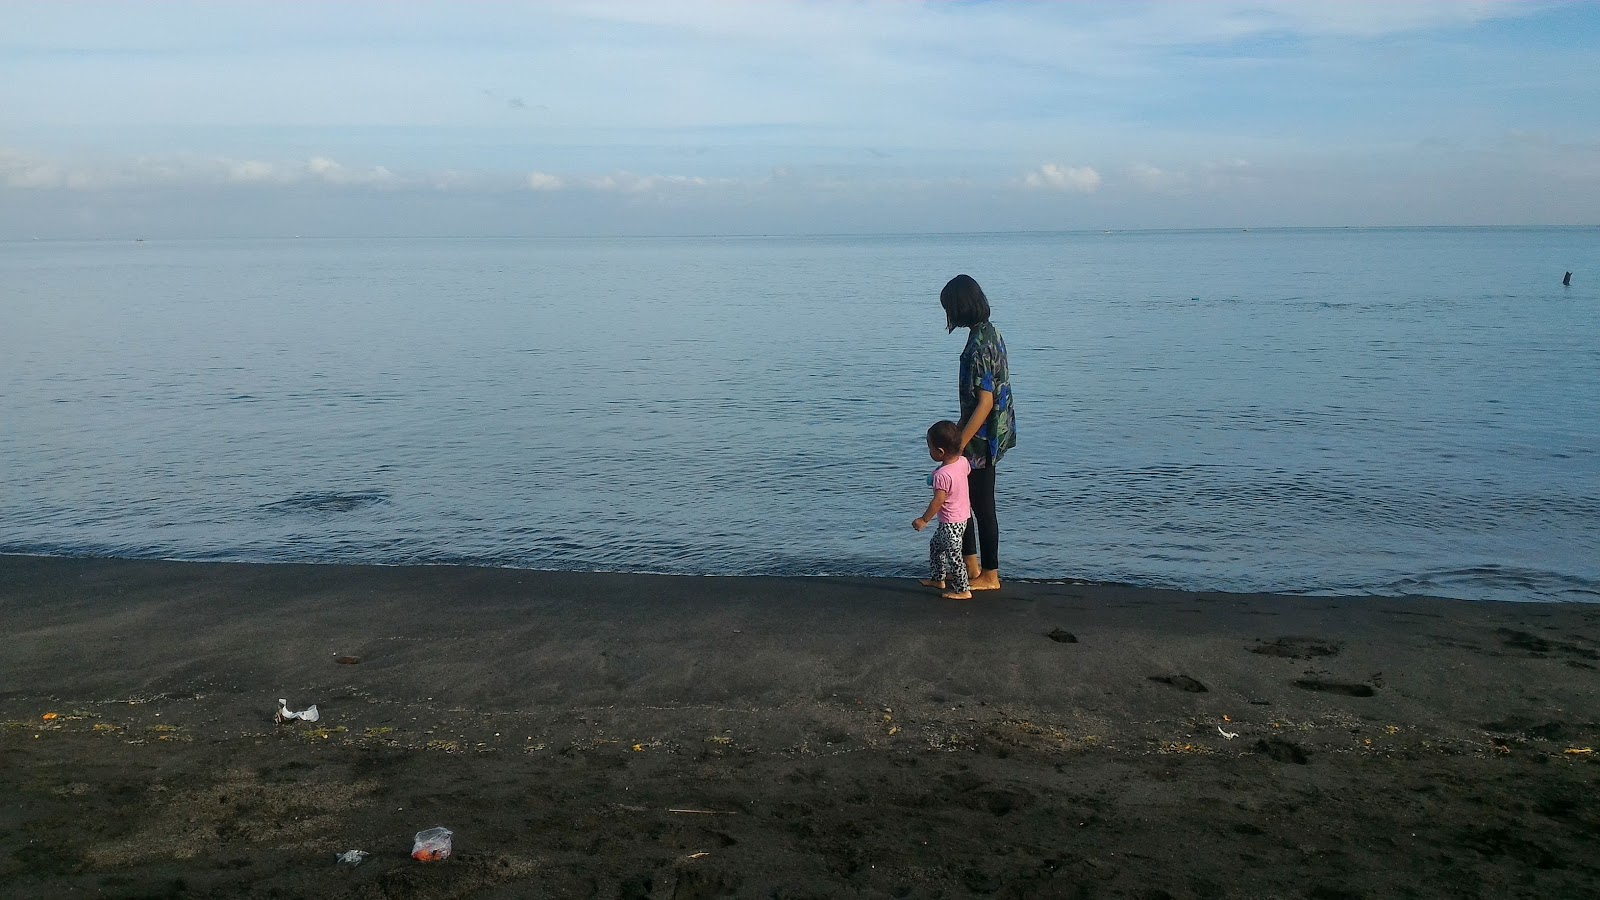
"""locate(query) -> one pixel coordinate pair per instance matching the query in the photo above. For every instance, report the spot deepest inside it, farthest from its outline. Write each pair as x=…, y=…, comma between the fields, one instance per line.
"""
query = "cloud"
x=1375, y=18
x=542, y=181
x=1211, y=175
x=1224, y=173
x=1081, y=179
x=325, y=169
x=20, y=171
x=1151, y=178
x=23, y=171
x=629, y=183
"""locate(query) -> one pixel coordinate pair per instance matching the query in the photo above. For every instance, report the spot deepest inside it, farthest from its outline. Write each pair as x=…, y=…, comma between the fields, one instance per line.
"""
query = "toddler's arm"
x=930, y=512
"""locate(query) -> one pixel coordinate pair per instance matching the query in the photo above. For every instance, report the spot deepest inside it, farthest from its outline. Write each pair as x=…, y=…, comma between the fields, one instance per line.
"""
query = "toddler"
x=953, y=507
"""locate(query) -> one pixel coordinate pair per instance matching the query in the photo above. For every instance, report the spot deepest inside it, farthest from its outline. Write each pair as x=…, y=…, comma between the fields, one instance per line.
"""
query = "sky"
x=590, y=117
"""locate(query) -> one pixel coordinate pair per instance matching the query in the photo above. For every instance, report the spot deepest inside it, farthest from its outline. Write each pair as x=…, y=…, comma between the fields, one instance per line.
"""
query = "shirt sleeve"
x=984, y=368
x=944, y=480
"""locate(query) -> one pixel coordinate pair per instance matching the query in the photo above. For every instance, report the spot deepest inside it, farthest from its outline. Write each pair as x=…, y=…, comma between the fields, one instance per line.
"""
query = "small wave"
x=327, y=502
x=1497, y=582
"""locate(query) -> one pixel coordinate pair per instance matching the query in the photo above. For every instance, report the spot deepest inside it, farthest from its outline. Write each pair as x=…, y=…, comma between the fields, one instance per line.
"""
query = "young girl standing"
x=952, y=507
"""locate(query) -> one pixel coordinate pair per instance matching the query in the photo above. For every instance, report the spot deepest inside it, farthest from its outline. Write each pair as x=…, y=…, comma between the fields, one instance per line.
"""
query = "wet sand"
x=645, y=736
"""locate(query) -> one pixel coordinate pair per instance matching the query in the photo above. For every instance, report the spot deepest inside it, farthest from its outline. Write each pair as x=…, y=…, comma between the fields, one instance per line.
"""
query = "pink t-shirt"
x=952, y=479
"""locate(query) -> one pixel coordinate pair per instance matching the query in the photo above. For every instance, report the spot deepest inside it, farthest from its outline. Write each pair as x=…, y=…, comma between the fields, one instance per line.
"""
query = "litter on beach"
x=353, y=857
x=285, y=714
x=432, y=845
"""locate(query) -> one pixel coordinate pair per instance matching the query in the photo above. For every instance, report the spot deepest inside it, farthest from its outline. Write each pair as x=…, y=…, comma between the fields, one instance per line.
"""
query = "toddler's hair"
x=945, y=436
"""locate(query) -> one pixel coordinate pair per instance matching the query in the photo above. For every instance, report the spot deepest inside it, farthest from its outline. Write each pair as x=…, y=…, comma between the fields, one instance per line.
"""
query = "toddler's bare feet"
x=988, y=581
x=929, y=582
x=957, y=595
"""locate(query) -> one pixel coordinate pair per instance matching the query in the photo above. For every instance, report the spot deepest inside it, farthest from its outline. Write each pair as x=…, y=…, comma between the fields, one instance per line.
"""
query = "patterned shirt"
x=984, y=368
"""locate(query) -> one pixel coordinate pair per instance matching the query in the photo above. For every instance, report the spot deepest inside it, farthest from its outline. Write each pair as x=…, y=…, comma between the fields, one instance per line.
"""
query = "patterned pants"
x=944, y=556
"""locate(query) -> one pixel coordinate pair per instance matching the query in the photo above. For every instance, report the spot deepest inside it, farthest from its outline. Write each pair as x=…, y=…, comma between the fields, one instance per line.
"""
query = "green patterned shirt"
x=984, y=368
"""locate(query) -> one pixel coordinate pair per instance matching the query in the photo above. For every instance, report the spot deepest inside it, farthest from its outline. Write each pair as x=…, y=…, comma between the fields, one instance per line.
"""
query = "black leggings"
x=986, y=534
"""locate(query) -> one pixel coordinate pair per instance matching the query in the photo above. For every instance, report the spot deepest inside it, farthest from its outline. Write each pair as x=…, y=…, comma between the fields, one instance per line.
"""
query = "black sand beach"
x=640, y=736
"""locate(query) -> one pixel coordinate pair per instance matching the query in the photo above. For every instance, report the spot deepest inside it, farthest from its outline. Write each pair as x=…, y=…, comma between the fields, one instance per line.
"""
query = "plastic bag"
x=433, y=845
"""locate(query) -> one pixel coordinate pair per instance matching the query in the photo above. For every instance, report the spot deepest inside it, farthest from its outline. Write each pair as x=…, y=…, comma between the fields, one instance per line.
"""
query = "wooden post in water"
x=1567, y=281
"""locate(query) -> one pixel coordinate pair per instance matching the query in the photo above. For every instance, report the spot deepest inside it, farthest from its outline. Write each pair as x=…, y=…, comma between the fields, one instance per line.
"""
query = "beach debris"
x=1228, y=735
x=432, y=845
x=1062, y=637
x=284, y=714
x=703, y=812
x=50, y=717
x=1579, y=751
x=347, y=660
x=353, y=857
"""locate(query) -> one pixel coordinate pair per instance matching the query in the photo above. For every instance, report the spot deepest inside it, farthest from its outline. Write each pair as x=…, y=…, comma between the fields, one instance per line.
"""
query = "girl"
x=988, y=424
x=950, y=504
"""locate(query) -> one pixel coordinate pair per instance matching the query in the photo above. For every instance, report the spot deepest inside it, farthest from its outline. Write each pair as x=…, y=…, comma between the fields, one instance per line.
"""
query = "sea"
x=1369, y=411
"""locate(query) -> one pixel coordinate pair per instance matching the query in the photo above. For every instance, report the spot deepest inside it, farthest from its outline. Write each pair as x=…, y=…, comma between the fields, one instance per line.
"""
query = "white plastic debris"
x=432, y=845
x=353, y=857
x=309, y=714
x=1230, y=735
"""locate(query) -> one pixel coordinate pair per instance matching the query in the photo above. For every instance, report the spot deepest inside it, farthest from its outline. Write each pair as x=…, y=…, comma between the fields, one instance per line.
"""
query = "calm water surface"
x=1384, y=411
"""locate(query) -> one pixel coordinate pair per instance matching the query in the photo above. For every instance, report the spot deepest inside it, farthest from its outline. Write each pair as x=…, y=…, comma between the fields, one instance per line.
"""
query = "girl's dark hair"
x=945, y=436
x=964, y=303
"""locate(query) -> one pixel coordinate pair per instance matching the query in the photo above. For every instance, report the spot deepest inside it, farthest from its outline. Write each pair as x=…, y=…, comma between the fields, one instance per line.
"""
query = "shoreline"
x=912, y=573
x=828, y=736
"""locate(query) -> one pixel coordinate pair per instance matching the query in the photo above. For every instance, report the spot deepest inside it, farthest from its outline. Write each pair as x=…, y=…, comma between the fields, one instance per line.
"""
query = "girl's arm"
x=980, y=415
x=933, y=510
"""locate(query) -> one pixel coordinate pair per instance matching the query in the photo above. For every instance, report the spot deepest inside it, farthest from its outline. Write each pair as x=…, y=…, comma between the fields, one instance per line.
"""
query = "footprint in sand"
x=1283, y=751
x=1534, y=645
x=1181, y=682
x=1335, y=687
x=1293, y=647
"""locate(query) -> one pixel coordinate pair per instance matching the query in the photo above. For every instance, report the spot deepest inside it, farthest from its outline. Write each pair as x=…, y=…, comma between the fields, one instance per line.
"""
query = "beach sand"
x=589, y=735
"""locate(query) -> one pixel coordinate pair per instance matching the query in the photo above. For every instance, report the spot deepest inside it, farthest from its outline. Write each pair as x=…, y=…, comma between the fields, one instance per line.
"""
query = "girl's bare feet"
x=929, y=582
x=957, y=595
x=989, y=580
